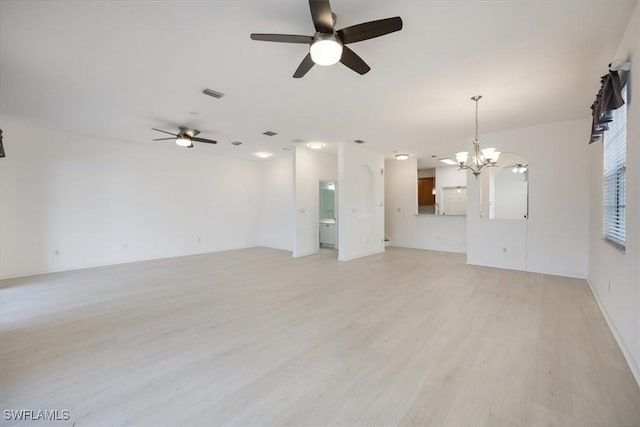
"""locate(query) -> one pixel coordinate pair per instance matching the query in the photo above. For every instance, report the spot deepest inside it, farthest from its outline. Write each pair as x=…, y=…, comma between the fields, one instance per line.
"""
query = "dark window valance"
x=609, y=98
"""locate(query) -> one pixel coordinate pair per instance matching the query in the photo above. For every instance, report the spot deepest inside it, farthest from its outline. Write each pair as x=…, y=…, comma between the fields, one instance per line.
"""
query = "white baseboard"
x=361, y=255
x=303, y=254
x=122, y=262
x=635, y=369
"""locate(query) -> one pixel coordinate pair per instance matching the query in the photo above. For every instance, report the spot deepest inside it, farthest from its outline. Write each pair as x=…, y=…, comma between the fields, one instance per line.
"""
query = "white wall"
x=360, y=202
x=277, y=204
x=450, y=176
x=404, y=227
x=555, y=238
x=510, y=194
x=620, y=301
x=425, y=173
x=310, y=167
x=70, y=201
x=504, y=194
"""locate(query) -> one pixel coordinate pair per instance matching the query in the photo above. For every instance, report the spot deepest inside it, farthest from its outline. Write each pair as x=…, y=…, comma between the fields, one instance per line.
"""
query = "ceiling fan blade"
x=208, y=141
x=304, y=66
x=164, y=131
x=282, y=38
x=369, y=30
x=321, y=15
x=353, y=61
x=162, y=139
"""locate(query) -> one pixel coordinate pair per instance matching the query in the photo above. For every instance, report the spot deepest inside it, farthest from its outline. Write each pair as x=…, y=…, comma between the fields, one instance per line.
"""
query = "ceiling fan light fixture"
x=183, y=141
x=325, y=49
x=519, y=168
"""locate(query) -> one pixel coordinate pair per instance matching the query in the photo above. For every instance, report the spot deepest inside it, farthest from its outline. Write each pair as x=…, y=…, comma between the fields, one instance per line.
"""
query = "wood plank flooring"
x=255, y=337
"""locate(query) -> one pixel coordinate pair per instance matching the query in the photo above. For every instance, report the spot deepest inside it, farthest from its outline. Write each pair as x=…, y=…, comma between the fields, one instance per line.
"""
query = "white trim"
x=571, y=275
x=129, y=261
x=635, y=369
x=362, y=255
x=304, y=254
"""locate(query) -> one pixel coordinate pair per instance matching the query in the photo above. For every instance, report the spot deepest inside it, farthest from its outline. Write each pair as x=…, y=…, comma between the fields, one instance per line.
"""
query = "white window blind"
x=614, y=197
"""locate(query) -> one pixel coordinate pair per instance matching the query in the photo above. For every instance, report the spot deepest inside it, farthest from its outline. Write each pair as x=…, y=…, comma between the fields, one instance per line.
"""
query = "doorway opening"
x=454, y=201
x=328, y=215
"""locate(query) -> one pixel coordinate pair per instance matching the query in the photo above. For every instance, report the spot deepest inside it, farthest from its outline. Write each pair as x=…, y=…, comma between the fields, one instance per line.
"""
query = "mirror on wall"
x=327, y=201
x=442, y=190
x=504, y=190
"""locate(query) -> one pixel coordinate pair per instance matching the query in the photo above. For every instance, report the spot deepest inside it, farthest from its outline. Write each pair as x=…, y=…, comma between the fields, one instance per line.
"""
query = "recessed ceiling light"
x=263, y=154
x=316, y=145
x=358, y=141
x=297, y=140
x=448, y=162
x=402, y=156
x=236, y=143
x=269, y=133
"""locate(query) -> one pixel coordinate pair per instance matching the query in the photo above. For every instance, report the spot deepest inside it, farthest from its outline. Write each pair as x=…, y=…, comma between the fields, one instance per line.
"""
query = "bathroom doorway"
x=328, y=215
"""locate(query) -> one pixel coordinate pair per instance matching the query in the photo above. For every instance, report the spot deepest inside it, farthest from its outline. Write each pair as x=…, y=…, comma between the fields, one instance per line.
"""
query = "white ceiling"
x=116, y=69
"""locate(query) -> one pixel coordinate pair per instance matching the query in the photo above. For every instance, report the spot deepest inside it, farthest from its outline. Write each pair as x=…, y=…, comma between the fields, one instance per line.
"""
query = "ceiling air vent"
x=358, y=141
x=269, y=133
x=213, y=93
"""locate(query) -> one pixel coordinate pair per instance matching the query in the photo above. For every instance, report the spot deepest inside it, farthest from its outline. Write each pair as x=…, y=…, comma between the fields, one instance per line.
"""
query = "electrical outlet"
x=125, y=246
x=398, y=209
x=56, y=252
x=302, y=210
x=504, y=250
x=199, y=240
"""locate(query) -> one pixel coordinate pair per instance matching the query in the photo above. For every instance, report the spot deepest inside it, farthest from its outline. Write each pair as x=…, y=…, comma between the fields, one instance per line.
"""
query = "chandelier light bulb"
x=462, y=156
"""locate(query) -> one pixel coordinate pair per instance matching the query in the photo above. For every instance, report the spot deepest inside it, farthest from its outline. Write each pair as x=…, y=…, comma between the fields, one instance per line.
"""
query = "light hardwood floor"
x=255, y=337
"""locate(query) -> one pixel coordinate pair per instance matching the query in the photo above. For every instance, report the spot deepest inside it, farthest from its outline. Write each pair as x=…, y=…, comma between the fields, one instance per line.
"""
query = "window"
x=615, y=154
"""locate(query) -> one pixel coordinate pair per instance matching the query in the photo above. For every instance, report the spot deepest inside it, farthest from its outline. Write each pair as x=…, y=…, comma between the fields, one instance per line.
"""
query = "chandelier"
x=480, y=158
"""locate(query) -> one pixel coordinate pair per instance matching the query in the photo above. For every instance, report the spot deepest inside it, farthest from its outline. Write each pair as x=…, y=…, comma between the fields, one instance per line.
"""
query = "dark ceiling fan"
x=185, y=137
x=328, y=46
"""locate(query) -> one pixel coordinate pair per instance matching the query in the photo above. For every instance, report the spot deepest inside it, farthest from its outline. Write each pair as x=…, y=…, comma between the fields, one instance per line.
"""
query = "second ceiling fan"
x=328, y=46
x=185, y=137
